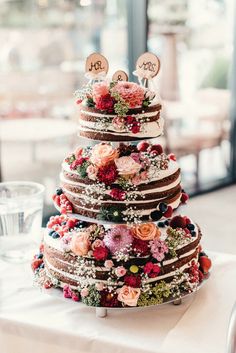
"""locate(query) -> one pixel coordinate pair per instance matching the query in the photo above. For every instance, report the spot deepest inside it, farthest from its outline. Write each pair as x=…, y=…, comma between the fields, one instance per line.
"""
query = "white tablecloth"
x=33, y=322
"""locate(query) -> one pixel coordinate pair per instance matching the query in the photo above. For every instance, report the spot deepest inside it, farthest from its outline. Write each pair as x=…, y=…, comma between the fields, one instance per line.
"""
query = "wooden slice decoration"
x=147, y=65
x=96, y=63
x=120, y=75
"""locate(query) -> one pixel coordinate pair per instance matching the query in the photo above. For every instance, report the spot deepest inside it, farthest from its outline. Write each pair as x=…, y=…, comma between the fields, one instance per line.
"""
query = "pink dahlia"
x=118, y=238
x=158, y=249
x=131, y=92
x=99, y=89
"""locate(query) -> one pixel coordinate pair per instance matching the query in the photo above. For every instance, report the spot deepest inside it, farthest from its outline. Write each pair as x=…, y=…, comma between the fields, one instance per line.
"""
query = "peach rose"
x=80, y=243
x=102, y=154
x=129, y=295
x=146, y=231
x=92, y=172
x=118, y=123
x=99, y=89
x=127, y=166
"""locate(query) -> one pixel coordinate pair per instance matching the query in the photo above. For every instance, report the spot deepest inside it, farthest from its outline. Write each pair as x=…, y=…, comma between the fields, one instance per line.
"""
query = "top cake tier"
x=119, y=111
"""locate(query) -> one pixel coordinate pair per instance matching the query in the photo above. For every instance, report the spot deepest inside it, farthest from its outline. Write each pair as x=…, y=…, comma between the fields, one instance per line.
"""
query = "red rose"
x=157, y=149
x=100, y=253
x=105, y=103
x=77, y=163
x=107, y=174
x=118, y=194
x=133, y=281
x=130, y=119
x=140, y=246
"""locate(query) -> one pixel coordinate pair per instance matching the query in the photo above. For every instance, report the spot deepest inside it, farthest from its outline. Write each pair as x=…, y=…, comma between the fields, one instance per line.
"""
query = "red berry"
x=178, y=222
x=187, y=220
x=47, y=284
x=200, y=275
x=71, y=223
x=36, y=263
x=142, y=146
x=172, y=157
x=57, y=200
x=54, y=196
x=157, y=148
x=205, y=264
x=184, y=197
x=63, y=210
x=169, y=212
x=41, y=248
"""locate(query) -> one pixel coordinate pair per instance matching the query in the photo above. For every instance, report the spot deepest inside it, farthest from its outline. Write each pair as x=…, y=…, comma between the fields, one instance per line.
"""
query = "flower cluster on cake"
x=119, y=240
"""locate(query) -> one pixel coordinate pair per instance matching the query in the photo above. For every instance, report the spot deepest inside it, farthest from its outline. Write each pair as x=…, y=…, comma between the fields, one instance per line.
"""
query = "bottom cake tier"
x=121, y=265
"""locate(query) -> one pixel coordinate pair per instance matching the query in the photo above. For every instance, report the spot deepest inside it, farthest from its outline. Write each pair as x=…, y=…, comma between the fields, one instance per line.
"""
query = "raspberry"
x=201, y=276
x=36, y=263
x=143, y=146
x=184, y=197
x=63, y=210
x=41, y=248
x=205, y=264
x=57, y=200
x=157, y=148
x=169, y=212
x=47, y=284
x=178, y=222
x=172, y=157
x=71, y=223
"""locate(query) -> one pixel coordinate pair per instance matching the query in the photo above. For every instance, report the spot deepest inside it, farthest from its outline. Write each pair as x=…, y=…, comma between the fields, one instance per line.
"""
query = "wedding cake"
x=119, y=240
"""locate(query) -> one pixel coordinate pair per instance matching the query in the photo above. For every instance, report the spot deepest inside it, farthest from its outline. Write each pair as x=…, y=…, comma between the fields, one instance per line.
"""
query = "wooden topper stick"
x=120, y=75
x=96, y=66
x=147, y=66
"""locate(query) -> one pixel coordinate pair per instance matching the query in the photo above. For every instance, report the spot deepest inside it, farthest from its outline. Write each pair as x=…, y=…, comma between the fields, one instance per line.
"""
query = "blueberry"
x=161, y=224
x=51, y=232
x=166, y=223
x=41, y=266
x=156, y=215
x=202, y=253
x=81, y=224
x=59, y=191
x=55, y=235
x=190, y=226
x=64, y=223
x=40, y=256
x=193, y=233
x=163, y=207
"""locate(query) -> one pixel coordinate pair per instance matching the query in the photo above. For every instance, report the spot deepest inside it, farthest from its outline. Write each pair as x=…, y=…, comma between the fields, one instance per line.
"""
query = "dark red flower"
x=135, y=128
x=130, y=119
x=133, y=281
x=100, y=253
x=118, y=194
x=157, y=149
x=109, y=299
x=105, y=103
x=107, y=174
x=151, y=269
x=140, y=246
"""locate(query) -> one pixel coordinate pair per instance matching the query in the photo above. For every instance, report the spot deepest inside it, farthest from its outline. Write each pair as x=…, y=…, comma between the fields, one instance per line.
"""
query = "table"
x=34, y=322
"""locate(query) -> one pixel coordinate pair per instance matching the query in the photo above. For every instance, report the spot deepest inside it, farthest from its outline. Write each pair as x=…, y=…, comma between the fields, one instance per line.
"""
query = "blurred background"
x=44, y=44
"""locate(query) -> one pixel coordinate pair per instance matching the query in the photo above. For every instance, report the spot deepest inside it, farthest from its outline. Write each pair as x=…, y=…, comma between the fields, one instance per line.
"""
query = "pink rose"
x=136, y=180
x=128, y=295
x=84, y=292
x=102, y=154
x=118, y=123
x=99, y=286
x=78, y=152
x=99, y=89
x=120, y=271
x=127, y=166
x=92, y=172
x=144, y=175
x=108, y=264
x=80, y=243
x=97, y=243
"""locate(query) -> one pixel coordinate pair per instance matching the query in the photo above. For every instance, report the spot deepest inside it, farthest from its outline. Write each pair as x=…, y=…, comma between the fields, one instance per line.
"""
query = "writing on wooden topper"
x=96, y=63
x=120, y=75
x=147, y=66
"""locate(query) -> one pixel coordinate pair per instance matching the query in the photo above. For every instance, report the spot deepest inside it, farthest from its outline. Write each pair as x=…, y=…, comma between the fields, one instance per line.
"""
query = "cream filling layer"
x=150, y=129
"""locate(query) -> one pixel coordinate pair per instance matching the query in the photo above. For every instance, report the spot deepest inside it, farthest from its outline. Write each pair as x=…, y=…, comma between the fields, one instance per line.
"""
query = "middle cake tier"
x=121, y=184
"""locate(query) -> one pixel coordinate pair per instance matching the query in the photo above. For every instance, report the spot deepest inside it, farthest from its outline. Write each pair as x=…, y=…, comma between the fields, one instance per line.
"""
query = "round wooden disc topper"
x=147, y=66
x=120, y=75
x=96, y=63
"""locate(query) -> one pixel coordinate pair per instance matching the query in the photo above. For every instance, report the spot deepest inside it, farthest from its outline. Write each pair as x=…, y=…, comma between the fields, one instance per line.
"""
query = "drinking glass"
x=21, y=208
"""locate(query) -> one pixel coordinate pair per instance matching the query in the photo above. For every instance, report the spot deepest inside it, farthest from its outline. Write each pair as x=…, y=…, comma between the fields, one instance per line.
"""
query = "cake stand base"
x=177, y=301
x=101, y=312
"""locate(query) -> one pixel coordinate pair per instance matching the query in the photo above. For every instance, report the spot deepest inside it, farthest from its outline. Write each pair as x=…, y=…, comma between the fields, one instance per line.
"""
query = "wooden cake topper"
x=96, y=66
x=147, y=67
x=120, y=75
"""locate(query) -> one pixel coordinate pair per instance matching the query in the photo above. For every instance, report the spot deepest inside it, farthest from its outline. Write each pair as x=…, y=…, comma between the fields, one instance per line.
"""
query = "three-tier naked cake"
x=117, y=242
